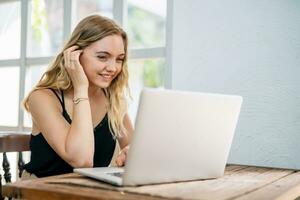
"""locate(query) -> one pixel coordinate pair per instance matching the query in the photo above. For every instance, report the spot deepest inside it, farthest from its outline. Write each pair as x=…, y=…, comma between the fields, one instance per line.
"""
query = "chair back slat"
x=14, y=142
x=11, y=141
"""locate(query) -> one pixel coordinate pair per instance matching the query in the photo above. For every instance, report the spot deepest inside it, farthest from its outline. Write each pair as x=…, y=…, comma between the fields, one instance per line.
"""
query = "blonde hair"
x=89, y=30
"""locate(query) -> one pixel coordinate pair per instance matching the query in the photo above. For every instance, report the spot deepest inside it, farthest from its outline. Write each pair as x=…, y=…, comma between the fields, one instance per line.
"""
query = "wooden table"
x=238, y=183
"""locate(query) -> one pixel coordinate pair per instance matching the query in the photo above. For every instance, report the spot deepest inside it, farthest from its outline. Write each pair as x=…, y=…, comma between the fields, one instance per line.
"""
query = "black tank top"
x=44, y=161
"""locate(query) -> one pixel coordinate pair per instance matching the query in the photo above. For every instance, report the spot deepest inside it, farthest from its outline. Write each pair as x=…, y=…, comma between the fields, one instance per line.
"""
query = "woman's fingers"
x=72, y=48
x=119, y=162
x=73, y=66
x=71, y=56
x=121, y=159
x=74, y=58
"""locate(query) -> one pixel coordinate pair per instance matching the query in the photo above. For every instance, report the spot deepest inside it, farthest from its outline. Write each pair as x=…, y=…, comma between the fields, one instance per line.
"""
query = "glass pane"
x=144, y=73
x=84, y=8
x=45, y=27
x=33, y=75
x=10, y=29
x=9, y=101
x=146, y=23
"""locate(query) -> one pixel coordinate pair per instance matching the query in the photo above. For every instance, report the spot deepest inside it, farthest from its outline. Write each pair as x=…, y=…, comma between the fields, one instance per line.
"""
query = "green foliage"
x=153, y=73
x=145, y=28
x=38, y=20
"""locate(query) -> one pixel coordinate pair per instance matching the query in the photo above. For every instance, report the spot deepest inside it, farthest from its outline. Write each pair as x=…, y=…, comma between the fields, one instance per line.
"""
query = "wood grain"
x=287, y=187
x=238, y=182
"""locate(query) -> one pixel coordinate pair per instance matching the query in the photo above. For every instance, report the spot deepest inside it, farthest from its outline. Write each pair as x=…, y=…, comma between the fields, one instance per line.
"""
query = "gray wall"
x=250, y=48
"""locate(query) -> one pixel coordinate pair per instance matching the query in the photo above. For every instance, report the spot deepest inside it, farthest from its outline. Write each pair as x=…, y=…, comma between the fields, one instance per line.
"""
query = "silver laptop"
x=178, y=136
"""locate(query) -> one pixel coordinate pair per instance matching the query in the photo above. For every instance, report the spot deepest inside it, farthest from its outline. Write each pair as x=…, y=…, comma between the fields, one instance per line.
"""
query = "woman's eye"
x=102, y=58
x=120, y=60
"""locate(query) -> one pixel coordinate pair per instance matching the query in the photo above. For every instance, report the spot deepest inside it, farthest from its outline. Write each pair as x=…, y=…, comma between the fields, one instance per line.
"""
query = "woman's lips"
x=106, y=77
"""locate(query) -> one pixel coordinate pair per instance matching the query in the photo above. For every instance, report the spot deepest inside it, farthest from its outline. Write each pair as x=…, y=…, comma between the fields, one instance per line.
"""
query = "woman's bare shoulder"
x=42, y=97
x=41, y=92
x=42, y=102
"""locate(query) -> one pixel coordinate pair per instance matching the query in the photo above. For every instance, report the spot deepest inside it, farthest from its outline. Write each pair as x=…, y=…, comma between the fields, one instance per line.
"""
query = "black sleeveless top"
x=44, y=161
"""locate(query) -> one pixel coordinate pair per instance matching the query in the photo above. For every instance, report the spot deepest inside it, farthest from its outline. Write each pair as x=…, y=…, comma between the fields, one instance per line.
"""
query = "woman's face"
x=102, y=60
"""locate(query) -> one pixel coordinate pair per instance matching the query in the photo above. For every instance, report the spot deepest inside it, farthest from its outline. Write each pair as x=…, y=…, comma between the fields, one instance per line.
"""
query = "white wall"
x=250, y=48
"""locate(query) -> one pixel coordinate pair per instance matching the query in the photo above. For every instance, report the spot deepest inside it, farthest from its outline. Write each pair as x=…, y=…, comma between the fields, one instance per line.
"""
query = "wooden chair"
x=12, y=142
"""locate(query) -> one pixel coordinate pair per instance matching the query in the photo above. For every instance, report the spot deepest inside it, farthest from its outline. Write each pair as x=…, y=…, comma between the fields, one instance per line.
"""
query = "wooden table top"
x=238, y=183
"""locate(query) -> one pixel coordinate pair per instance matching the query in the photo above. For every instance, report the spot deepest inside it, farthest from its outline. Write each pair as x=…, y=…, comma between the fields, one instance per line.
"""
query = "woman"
x=79, y=106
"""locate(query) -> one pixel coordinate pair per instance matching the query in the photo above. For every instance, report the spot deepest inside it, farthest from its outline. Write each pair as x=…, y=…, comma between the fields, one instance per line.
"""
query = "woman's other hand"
x=121, y=158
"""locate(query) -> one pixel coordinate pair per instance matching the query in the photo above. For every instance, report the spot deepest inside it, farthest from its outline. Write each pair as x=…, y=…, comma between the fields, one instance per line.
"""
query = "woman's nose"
x=111, y=66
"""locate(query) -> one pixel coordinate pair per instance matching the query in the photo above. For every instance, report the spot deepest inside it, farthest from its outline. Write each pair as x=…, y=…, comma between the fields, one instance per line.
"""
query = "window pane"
x=33, y=75
x=10, y=28
x=9, y=101
x=84, y=8
x=146, y=23
x=144, y=73
x=45, y=27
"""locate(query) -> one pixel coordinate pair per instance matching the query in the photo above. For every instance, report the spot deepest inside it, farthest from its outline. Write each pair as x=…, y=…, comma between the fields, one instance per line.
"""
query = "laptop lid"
x=181, y=136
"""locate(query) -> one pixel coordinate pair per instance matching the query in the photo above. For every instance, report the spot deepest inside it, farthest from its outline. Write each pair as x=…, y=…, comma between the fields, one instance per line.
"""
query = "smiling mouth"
x=106, y=77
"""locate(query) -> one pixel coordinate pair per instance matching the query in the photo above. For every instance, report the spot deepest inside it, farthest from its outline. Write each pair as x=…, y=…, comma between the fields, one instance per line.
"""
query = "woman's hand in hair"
x=121, y=159
x=74, y=68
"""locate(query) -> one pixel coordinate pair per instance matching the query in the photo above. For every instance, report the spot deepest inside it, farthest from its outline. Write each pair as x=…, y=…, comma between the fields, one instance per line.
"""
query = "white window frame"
x=119, y=14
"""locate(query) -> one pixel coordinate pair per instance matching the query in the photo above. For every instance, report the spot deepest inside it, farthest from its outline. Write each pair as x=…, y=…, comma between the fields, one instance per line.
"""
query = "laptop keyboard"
x=117, y=174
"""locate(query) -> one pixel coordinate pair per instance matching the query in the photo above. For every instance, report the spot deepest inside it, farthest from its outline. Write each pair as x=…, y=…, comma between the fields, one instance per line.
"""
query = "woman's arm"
x=73, y=143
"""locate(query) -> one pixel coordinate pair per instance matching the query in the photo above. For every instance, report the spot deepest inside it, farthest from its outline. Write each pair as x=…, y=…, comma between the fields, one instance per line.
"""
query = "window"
x=36, y=37
x=146, y=27
x=44, y=31
x=10, y=90
x=83, y=8
x=144, y=73
x=10, y=26
x=146, y=23
x=33, y=75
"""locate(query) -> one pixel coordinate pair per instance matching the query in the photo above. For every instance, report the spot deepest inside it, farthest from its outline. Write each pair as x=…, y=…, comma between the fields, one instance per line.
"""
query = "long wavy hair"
x=89, y=30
